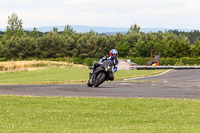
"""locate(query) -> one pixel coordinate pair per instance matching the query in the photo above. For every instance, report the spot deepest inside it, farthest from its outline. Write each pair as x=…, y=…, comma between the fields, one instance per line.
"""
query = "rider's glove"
x=96, y=65
x=115, y=69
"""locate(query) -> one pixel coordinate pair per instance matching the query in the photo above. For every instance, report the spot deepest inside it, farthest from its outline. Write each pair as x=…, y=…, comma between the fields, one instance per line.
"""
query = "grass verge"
x=13, y=66
x=62, y=114
x=63, y=76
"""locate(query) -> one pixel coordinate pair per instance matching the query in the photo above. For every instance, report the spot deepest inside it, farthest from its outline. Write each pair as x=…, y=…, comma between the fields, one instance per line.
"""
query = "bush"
x=77, y=60
x=140, y=61
x=168, y=61
x=3, y=59
x=89, y=61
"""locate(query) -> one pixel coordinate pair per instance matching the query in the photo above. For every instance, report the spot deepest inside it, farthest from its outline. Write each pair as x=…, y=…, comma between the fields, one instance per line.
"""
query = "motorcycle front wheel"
x=89, y=83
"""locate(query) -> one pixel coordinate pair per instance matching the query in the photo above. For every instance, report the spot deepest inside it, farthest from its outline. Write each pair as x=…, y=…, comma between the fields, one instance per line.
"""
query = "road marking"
x=150, y=76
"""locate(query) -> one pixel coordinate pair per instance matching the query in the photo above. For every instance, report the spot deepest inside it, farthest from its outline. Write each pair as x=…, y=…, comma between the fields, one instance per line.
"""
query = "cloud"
x=118, y=13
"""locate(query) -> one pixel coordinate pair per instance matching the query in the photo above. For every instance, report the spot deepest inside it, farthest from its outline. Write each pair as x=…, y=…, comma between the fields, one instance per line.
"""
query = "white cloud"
x=114, y=13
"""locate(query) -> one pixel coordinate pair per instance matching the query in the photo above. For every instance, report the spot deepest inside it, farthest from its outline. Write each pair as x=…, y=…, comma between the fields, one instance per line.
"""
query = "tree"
x=14, y=27
x=33, y=33
x=86, y=45
x=69, y=37
x=196, y=49
x=178, y=48
x=68, y=30
x=101, y=44
x=50, y=45
x=9, y=48
x=140, y=49
x=69, y=44
x=123, y=49
x=134, y=29
x=132, y=40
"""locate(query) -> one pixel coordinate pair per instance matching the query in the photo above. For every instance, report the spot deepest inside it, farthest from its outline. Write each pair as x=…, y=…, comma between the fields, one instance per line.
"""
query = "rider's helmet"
x=113, y=53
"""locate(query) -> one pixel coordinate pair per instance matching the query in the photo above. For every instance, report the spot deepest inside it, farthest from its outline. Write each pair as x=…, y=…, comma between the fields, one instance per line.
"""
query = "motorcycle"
x=101, y=74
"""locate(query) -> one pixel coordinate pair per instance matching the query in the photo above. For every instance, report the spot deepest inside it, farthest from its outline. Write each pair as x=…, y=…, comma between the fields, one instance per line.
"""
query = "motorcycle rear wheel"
x=100, y=79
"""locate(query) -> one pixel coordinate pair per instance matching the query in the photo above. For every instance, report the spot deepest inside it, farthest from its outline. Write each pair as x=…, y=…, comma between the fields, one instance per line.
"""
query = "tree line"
x=20, y=44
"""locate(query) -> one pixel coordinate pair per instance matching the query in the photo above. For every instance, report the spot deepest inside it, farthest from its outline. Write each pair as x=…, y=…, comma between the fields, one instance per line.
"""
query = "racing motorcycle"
x=101, y=74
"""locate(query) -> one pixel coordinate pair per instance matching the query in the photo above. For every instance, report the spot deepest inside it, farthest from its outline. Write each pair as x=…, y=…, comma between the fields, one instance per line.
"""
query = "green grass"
x=63, y=75
x=50, y=75
x=124, y=74
x=109, y=115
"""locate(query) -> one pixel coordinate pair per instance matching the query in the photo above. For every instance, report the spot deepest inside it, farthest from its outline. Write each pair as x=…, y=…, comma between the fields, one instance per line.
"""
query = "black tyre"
x=100, y=79
x=88, y=84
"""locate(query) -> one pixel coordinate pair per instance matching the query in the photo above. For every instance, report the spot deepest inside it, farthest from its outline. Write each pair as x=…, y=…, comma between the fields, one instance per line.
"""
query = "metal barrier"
x=162, y=67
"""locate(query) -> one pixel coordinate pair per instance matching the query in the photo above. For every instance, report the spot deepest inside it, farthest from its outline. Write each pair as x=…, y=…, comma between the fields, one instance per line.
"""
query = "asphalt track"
x=173, y=84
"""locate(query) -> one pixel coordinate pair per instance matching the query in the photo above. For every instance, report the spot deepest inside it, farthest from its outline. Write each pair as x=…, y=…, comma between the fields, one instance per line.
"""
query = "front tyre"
x=90, y=83
x=100, y=79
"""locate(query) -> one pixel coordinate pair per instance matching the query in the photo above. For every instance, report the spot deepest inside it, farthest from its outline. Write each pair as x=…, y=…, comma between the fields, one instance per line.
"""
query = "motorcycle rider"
x=113, y=58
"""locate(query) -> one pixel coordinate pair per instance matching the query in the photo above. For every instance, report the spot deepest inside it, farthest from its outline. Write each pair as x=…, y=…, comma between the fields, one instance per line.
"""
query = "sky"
x=184, y=14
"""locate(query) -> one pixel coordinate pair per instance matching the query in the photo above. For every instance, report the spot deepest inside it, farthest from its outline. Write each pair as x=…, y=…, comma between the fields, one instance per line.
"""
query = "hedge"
x=168, y=61
x=137, y=60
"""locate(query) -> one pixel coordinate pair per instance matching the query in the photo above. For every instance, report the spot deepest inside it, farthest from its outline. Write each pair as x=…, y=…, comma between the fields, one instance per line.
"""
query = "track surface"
x=174, y=84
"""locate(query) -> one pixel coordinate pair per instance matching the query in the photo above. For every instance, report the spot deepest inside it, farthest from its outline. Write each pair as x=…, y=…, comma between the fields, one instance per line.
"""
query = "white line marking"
x=150, y=76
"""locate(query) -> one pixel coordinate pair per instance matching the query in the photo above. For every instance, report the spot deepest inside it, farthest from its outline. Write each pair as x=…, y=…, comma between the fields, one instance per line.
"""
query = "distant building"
x=124, y=64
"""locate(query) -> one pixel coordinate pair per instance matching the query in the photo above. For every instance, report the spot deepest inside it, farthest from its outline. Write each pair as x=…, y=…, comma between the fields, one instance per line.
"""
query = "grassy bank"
x=62, y=75
x=13, y=66
x=59, y=114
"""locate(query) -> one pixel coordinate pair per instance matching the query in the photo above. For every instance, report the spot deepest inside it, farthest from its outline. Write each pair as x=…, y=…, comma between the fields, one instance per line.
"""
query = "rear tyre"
x=100, y=79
